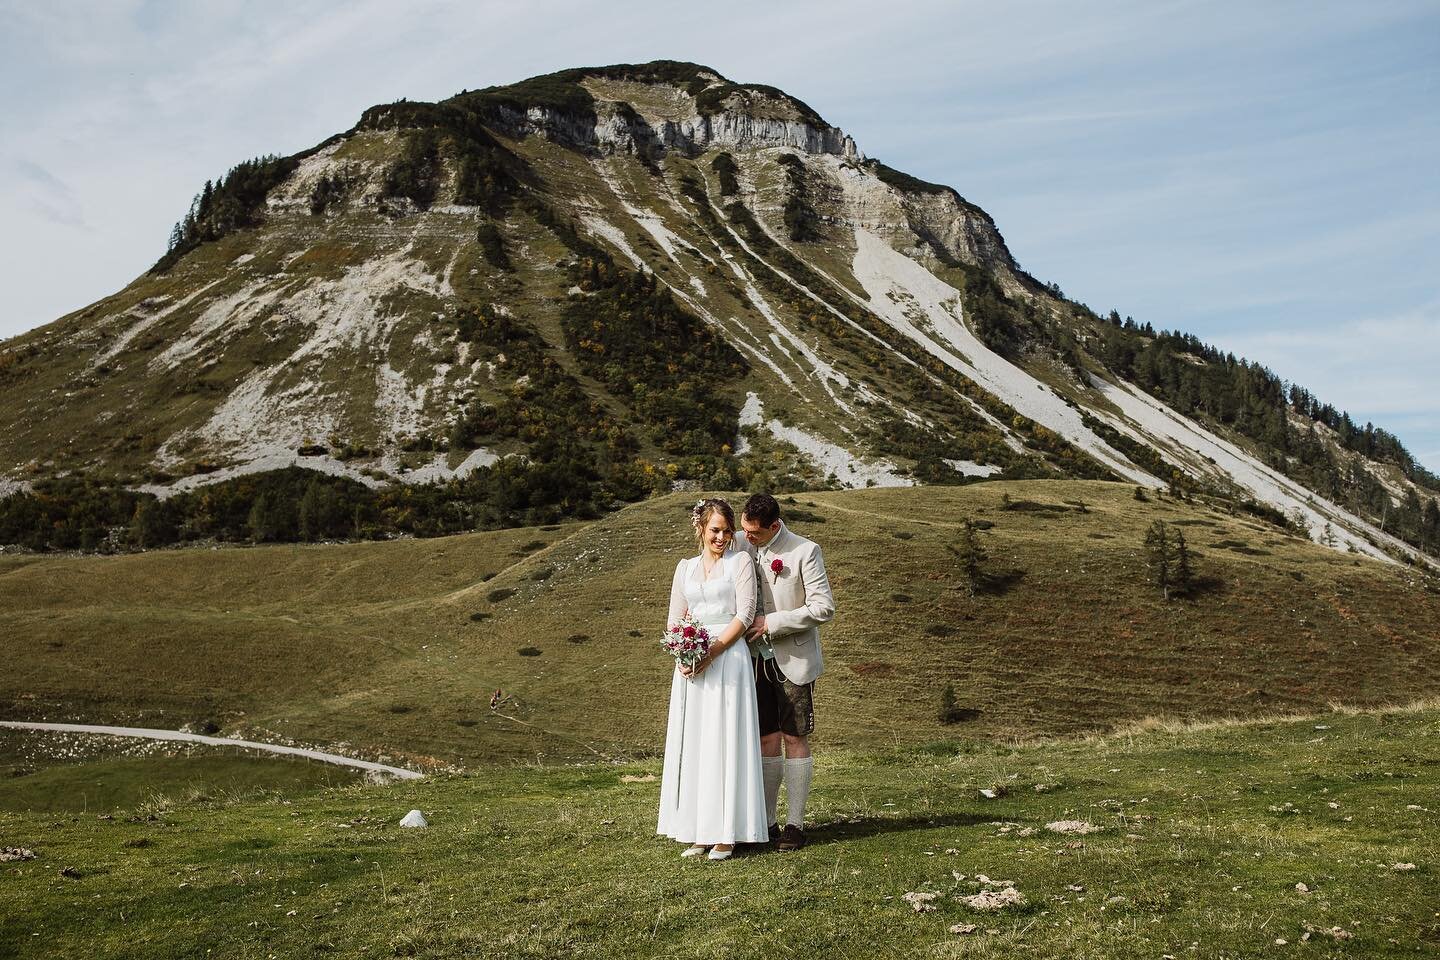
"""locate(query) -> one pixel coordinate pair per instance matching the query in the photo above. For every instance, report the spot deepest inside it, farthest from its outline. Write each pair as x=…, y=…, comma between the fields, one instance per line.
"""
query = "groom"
x=785, y=639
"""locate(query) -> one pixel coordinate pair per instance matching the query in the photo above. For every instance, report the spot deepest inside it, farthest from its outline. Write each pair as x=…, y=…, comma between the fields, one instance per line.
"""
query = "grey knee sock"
x=797, y=788
x=772, y=768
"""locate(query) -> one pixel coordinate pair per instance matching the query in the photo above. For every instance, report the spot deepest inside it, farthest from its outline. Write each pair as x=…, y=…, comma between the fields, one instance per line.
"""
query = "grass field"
x=1205, y=838
x=393, y=650
x=68, y=773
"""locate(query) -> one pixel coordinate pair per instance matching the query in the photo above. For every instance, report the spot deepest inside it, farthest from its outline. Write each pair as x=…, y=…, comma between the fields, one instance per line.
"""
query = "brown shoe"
x=791, y=838
x=774, y=832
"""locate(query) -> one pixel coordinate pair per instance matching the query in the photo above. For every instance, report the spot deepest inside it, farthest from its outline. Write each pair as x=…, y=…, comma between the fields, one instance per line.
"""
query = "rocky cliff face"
x=746, y=123
x=447, y=285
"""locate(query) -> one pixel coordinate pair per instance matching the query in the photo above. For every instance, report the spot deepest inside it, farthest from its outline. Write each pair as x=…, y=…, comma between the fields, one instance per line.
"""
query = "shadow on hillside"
x=1204, y=586
x=997, y=583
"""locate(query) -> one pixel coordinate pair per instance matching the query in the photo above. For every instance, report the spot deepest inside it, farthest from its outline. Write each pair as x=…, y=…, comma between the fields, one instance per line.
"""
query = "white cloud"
x=1383, y=364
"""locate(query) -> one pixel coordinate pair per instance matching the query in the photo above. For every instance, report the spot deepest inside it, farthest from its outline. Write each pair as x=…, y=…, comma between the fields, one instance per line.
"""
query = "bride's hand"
x=690, y=673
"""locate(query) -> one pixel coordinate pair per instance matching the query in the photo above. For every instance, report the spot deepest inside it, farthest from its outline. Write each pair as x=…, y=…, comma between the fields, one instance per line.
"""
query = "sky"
x=1259, y=175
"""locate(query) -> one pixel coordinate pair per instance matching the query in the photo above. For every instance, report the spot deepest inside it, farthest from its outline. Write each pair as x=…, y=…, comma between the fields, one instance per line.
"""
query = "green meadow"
x=1256, y=762
x=1312, y=837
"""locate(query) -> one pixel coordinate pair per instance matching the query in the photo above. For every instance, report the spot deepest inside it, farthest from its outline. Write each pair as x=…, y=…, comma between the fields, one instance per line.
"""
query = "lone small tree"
x=1168, y=559
x=1182, y=574
x=970, y=557
x=949, y=708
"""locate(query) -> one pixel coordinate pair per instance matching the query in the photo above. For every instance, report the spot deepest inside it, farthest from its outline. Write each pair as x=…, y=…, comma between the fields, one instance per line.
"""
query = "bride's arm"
x=678, y=607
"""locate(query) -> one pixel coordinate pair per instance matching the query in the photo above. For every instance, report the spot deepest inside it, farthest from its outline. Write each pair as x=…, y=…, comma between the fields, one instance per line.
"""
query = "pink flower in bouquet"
x=689, y=632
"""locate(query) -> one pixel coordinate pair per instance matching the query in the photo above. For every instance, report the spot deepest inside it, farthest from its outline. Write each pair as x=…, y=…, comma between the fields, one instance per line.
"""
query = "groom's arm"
x=819, y=604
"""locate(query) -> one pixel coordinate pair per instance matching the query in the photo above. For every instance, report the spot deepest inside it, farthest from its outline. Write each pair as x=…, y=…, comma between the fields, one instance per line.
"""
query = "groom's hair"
x=762, y=508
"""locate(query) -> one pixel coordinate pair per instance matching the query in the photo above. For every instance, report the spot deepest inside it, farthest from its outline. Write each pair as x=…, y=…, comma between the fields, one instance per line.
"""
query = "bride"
x=712, y=794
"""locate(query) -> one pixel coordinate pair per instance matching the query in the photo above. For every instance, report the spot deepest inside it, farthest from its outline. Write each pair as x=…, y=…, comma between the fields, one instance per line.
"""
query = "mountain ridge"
x=409, y=299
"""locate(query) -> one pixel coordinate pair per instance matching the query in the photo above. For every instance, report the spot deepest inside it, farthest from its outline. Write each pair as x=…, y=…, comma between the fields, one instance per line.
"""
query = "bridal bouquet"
x=686, y=641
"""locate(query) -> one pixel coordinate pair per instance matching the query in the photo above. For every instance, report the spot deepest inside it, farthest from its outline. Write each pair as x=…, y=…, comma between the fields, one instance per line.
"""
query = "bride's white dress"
x=712, y=790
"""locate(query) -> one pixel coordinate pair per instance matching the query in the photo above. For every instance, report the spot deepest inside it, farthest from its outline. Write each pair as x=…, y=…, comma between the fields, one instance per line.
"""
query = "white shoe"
x=693, y=851
x=717, y=854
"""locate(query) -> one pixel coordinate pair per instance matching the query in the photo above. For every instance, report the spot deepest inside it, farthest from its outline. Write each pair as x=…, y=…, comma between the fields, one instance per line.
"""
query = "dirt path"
x=146, y=733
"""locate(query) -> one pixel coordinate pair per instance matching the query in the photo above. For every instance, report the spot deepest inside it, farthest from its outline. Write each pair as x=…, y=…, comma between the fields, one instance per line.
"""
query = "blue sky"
x=1261, y=175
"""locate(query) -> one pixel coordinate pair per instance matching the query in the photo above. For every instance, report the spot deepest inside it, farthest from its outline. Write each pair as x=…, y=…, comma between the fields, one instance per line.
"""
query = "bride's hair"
x=700, y=516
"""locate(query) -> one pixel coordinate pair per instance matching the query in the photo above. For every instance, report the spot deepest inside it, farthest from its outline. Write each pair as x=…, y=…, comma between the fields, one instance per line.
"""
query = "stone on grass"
x=1334, y=933
x=8, y=854
x=1072, y=826
x=414, y=819
x=994, y=899
x=920, y=901
x=963, y=928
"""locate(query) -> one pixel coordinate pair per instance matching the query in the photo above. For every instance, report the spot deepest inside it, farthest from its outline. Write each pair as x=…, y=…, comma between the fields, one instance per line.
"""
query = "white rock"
x=994, y=899
x=414, y=819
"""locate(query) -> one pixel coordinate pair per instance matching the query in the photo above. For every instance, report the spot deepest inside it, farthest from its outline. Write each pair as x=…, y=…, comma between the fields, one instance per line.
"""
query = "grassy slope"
x=373, y=644
x=1206, y=833
x=66, y=773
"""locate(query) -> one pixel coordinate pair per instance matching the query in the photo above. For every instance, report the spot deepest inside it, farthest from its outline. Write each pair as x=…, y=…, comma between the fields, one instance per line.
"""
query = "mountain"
x=541, y=300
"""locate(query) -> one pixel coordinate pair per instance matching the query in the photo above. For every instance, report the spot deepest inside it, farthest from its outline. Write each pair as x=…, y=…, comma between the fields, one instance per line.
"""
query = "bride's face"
x=717, y=533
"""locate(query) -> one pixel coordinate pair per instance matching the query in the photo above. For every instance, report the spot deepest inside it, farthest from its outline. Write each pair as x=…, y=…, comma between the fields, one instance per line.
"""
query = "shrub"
x=949, y=709
x=327, y=190
x=415, y=174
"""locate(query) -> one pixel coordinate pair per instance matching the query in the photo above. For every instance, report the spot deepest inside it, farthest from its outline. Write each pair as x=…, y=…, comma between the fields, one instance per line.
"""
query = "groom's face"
x=757, y=533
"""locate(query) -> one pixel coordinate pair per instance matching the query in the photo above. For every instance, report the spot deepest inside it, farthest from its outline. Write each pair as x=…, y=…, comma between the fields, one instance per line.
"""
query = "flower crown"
x=697, y=512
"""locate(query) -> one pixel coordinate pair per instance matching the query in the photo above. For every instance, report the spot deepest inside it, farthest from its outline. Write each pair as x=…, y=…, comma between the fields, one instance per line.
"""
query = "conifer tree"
x=1167, y=558
x=1430, y=528
x=949, y=707
x=1181, y=574
x=970, y=557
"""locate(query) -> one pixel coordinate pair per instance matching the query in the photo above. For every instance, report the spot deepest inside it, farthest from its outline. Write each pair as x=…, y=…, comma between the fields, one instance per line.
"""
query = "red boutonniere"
x=776, y=567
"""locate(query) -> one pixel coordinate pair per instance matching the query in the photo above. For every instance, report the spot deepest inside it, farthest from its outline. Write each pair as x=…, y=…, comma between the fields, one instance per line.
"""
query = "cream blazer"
x=795, y=602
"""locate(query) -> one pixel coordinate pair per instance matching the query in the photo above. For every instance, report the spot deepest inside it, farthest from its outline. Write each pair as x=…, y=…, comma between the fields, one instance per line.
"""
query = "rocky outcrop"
x=957, y=230
x=616, y=128
x=741, y=131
